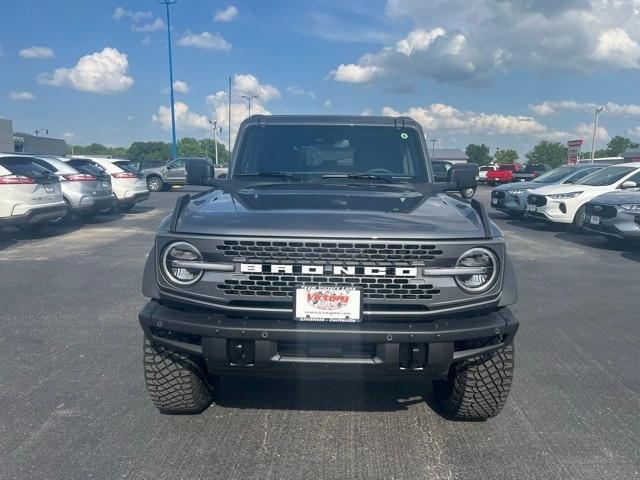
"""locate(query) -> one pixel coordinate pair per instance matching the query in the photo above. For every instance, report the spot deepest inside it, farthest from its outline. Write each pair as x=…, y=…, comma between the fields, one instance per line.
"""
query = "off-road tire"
x=477, y=388
x=155, y=183
x=176, y=382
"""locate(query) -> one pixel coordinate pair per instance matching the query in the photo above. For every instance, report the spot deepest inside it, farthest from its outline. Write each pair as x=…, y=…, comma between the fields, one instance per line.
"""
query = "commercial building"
x=20, y=142
x=6, y=136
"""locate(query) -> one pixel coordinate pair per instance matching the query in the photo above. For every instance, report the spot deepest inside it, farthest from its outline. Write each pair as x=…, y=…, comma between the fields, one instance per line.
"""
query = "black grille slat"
x=338, y=253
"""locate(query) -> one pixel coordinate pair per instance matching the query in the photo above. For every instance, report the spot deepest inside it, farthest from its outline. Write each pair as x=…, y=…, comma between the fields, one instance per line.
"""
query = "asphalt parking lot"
x=74, y=404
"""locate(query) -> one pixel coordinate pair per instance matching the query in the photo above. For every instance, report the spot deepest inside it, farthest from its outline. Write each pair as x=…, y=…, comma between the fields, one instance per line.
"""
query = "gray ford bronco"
x=330, y=252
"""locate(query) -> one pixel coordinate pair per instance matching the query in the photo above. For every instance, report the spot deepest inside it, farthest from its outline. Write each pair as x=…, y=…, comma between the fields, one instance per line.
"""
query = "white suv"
x=566, y=203
x=29, y=194
x=128, y=185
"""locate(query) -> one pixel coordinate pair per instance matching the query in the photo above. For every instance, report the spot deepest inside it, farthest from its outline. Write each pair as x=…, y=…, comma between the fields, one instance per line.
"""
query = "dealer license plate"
x=594, y=220
x=320, y=303
x=532, y=208
x=48, y=188
x=494, y=201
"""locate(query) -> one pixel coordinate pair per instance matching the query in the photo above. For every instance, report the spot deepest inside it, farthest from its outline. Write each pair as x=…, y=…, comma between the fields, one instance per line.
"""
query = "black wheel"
x=578, y=220
x=176, y=382
x=515, y=215
x=491, y=183
x=154, y=183
x=477, y=388
x=66, y=218
x=468, y=193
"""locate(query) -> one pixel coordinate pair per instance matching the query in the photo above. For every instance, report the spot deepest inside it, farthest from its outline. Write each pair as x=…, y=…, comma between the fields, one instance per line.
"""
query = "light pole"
x=249, y=99
x=433, y=146
x=45, y=130
x=174, y=148
x=595, y=127
x=215, y=136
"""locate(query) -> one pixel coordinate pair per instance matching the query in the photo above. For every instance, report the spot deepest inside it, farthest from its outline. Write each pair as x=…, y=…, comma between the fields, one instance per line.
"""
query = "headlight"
x=478, y=258
x=563, y=196
x=518, y=192
x=177, y=252
x=632, y=207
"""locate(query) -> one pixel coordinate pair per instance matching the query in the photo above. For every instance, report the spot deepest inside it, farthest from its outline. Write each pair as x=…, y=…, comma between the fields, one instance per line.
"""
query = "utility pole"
x=433, y=146
x=229, y=119
x=249, y=99
x=595, y=127
x=174, y=148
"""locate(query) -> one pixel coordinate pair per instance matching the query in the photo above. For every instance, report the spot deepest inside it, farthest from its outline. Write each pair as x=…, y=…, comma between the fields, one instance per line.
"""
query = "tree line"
x=160, y=151
x=553, y=153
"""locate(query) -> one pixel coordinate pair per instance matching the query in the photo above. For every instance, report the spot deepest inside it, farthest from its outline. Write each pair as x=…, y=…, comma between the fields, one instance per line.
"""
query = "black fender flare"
x=509, y=284
x=149, y=278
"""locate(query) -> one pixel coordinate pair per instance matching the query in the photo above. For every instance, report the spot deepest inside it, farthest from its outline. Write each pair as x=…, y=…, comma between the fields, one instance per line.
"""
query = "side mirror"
x=629, y=184
x=463, y=176
x=168, y=167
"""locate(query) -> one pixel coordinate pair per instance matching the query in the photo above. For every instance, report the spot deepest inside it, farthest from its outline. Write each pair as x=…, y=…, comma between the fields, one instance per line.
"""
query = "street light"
x=45, y=130
x=249, y=99
x=174, y=148
x=215, y=138
x=433, y=146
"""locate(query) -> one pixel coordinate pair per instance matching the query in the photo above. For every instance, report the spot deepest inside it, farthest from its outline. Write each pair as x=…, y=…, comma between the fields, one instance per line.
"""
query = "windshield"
x=127, y=166
x=554, y=175
x=86, y=166
x=607, y=176
x=316, y=150
x=24, y=167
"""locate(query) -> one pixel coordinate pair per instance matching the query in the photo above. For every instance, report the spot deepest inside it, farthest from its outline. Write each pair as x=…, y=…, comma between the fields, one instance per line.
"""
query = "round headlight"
x=178, y=252
x=481, y=258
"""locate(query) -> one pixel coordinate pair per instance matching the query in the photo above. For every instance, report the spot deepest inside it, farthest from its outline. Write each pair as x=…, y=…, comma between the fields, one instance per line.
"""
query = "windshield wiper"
x=284, y=175
x=360, y=176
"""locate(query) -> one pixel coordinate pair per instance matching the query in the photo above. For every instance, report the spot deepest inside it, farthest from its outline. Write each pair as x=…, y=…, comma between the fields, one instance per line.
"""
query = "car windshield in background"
x=554, y=175
x=24, y=167
x=86, y=166
x=507, y=167
x=607, y=176
x=529, y=169
x=317, y=150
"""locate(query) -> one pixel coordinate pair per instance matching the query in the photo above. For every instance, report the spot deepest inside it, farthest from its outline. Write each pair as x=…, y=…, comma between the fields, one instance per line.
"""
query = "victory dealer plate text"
x=327, y=304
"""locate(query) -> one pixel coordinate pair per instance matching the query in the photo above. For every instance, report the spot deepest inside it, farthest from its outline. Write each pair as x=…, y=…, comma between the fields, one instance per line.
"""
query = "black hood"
x=330, y=210
x=619, y=197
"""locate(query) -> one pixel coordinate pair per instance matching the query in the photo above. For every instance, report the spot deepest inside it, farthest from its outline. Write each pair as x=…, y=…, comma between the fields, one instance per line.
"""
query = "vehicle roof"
x=56, y=162
x=106, y=163
x=330, y=120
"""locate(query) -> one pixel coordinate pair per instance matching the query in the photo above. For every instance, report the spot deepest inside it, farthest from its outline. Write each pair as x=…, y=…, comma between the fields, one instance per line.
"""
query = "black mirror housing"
x=464, y=175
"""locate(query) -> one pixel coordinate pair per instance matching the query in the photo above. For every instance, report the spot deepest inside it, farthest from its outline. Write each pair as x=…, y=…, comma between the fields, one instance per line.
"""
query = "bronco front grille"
x=373, y=288
x=329, y=253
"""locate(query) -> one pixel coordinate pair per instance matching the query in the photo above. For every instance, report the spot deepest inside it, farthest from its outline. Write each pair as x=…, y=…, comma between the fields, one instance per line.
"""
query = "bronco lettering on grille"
x=332, y=270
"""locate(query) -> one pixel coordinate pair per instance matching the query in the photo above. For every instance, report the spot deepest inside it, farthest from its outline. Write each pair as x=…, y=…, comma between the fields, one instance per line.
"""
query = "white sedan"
x=565, y=203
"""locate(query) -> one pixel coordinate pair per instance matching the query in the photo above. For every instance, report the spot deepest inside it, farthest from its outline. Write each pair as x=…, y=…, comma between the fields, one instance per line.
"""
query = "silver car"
x=85, y=193
x=173, y=173
x=615, y=214
x=30, y=195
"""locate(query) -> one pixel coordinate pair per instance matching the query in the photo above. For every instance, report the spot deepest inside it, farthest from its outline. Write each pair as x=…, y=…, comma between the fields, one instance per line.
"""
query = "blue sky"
x=485, y=71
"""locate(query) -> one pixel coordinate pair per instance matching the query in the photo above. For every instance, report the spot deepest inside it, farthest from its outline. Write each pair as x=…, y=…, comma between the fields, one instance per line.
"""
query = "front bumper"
x=509, y=202
x=131, y=198
x=624, y=225
x=279, y=347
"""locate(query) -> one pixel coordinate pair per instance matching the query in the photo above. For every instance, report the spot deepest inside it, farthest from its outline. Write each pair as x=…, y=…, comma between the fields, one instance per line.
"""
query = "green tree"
x=553, y=153
x=139, y=151
x=208, y=147
x=478, y=154
x=508, y=155
x=189, y=147
x=617, y=145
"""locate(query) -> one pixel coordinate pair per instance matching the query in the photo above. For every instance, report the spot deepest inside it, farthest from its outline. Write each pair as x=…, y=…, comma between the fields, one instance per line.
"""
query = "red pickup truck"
x=503, y=174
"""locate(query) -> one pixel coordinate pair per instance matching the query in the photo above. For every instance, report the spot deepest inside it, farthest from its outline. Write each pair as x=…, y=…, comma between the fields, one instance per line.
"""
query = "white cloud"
x=36, y=52
x=585, y=130
x=185, y=119
x=352, y=73
x=301, y=92
x=154, y=26
x=552, y=107
x=464, y=42
x=146, y=40
x=120, y=13
x=210, y=41
x=68, y=135
x=366, y=112
x=21, y=96
x=226, y=15
x=441, y=117
x=100, y=72
x=243, y=84
x=178, y=86
x=328, y=103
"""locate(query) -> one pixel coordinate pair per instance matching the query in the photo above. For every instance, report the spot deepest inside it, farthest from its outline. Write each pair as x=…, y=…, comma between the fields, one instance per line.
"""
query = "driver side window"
x=179, y=163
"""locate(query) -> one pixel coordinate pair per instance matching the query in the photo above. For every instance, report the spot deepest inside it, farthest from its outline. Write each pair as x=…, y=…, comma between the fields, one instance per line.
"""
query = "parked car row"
x=35, y=190
x=514, y=172
x=601, y=199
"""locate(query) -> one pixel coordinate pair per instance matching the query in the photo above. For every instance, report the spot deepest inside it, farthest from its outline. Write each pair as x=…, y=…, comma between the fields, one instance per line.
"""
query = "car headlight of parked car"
x=632, y=207
x=484, y=265
x=177, y=263
x=519, y=191
x=564, y=196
